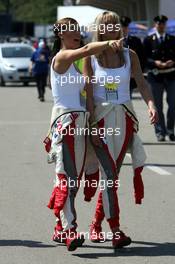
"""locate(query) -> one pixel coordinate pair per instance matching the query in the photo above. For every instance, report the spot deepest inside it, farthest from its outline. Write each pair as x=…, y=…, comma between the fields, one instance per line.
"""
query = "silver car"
x=14, y=63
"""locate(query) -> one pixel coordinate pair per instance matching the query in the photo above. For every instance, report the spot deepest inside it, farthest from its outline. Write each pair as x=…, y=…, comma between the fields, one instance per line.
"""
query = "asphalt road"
x=26, y=180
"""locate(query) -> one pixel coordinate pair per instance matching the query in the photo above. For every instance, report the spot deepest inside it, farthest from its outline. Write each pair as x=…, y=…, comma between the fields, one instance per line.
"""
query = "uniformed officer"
x=133, y=43
x=160, y=54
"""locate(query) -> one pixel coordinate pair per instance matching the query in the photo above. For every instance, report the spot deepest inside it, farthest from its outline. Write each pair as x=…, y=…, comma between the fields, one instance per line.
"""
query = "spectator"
x=39, y=68
x=160, y=53
x=133, y=43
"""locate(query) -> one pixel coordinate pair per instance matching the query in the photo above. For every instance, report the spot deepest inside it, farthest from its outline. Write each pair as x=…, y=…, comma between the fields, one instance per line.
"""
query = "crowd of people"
x=108, y=107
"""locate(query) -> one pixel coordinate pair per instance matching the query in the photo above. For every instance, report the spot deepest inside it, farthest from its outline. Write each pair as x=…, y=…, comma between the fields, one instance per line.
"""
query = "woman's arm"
x=88, y=73
x=65, y=58
x=143, y=86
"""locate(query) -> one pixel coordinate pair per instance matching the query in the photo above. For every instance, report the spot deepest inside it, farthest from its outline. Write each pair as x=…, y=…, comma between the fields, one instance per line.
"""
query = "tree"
x=5, y=6
x=40, y=11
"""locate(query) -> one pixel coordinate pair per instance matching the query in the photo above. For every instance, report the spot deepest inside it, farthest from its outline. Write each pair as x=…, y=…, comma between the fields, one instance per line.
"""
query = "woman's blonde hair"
x=105, y=18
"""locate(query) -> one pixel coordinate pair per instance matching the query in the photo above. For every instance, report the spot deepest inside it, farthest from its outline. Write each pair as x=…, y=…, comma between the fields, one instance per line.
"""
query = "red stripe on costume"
x=59, y=195
x=99, y=211
x=138, y=185
x=128, y=136
x=47, y=143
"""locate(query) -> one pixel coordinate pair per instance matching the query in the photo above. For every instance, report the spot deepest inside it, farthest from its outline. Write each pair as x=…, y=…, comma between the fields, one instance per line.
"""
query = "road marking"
x=12, y=123
x=157, y=170
x=154, y=168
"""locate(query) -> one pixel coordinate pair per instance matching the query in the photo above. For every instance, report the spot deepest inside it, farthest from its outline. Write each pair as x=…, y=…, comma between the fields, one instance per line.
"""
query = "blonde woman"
x=67, y=149
x=111, y=111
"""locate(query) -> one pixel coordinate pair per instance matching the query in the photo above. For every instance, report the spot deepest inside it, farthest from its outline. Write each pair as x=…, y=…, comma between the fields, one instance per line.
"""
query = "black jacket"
x=135, y=44
x=155, y=50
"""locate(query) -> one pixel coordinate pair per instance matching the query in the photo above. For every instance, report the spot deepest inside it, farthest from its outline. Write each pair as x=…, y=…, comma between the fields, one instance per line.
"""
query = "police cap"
x=160, y=19
x=125, y=21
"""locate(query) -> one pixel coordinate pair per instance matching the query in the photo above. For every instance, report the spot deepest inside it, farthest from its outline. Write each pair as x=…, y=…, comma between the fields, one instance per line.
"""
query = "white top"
x=66, y=88
x=112, y=84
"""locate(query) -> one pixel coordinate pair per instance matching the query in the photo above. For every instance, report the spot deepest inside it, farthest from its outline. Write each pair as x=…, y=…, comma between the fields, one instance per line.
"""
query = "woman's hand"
x=143, y=87
x=95, y=136
x=96, y=141
x=116, y=45
x=153, y=114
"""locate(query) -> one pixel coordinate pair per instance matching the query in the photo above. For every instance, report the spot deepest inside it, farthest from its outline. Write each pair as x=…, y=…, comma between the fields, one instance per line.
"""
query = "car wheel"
x=2, y=83
x=26, y=83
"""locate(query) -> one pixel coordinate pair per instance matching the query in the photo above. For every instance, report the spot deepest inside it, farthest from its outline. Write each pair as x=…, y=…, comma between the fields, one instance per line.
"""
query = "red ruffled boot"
x=96, y=234
x=73, y=239
x=120, y=240
x=59, y=236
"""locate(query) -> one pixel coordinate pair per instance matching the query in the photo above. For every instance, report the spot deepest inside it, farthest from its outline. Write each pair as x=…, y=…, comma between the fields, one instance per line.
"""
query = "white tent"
x=85, y=15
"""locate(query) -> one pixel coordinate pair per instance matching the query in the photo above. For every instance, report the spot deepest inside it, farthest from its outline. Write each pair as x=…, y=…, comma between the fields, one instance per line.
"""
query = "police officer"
x=160, y=54
x=133, y=43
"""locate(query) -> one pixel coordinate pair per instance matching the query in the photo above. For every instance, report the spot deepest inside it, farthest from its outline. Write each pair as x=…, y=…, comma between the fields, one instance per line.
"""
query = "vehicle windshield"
x=17, y=52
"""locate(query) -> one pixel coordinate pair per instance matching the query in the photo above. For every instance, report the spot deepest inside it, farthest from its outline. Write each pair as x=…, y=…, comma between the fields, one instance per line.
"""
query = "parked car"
x=14, y=63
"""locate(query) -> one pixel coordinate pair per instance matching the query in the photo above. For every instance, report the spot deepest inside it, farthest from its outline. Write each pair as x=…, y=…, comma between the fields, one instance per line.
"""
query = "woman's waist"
x=113, y=98
x=68, y=104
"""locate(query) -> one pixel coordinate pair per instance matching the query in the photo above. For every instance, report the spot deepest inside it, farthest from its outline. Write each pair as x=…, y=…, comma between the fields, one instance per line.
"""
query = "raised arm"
x=88, y=72
x=143, y=86
x=65, y=58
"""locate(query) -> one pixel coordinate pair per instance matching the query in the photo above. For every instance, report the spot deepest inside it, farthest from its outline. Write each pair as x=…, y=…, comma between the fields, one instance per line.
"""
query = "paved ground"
x=26, y=179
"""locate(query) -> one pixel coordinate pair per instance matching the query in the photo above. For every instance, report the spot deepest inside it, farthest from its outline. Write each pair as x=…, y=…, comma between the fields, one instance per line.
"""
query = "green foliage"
x=37, y=11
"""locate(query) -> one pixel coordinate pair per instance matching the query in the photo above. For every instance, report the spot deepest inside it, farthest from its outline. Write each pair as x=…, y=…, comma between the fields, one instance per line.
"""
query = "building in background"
x=139, y=10
x=9, y=27
x=167, y=7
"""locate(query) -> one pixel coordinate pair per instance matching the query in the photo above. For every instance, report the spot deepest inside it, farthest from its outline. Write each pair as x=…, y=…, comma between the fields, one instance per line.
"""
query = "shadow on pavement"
x=18, y=85
x=150, y=249
x=24, y=243
x=153, y=164
x=165, y=143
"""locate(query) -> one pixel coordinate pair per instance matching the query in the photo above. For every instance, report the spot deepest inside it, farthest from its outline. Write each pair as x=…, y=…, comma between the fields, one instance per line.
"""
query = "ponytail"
x=57, y=28
x=56, y=46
